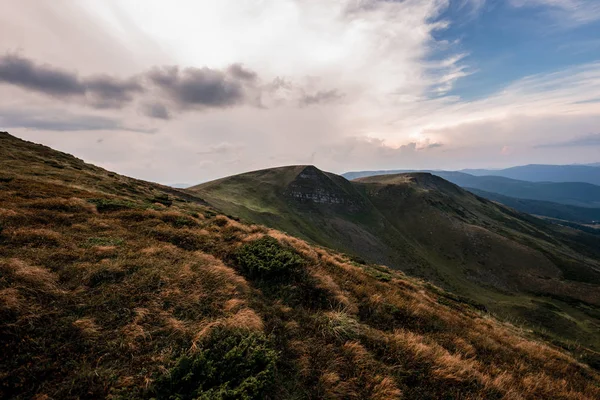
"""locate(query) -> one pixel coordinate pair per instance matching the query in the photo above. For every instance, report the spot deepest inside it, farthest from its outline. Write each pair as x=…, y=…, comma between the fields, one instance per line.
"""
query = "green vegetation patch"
x=378, y=272
x=179, y=221
x=107, y=205
x=266, y=257
x=163, y=199
x=231, y=365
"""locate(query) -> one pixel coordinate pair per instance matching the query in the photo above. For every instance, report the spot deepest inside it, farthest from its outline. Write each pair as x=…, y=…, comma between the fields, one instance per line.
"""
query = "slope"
x=517, y=266
x=311, y=204
x=112, y=287
x=569, y=193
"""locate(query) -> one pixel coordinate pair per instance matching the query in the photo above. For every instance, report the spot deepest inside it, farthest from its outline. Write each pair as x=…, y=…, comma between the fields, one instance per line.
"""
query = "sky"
x=189, y=91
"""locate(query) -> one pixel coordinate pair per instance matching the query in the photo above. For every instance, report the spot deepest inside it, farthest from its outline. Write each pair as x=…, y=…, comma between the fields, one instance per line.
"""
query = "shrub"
x=231, y=365
x=178, y=220
x=266, y=257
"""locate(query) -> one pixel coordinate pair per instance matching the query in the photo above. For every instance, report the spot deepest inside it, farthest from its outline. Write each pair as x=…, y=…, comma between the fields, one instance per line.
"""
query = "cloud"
x=22, y=72
x=238, y=71
x=63, y=122
x=593, y=139
x=109, y=92
x=568, y=13
x=320, y=97
x=185, y=87
x=155, y=110
x=103, y=91
x=202, y=87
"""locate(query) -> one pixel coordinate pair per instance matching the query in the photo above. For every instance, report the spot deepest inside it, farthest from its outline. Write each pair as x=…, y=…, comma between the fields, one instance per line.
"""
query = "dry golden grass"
x=101, y=303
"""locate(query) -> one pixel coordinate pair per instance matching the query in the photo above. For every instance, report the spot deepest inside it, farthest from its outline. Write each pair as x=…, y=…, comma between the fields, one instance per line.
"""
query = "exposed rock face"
x=313, y=186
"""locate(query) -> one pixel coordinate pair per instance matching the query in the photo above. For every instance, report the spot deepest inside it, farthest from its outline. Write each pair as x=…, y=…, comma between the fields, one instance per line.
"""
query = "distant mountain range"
x=570, y=193
x=584, y=215
x=545, y=173
x=561, y=200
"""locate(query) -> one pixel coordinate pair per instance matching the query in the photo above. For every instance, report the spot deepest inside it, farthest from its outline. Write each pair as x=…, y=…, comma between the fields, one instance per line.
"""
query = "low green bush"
x=231, y=365
x=266, y=257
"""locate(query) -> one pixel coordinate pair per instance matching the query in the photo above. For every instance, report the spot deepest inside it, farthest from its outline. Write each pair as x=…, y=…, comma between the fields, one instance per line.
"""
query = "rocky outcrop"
x=314, y=186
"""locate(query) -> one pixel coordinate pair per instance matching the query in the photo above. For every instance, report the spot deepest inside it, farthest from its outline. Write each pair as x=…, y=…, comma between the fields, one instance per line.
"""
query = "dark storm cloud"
x=62, y=122
x=593, y=139
x=110, y=92
x=321, y=97
x=103, y=91
x=201, y=87
x=179, y=89
x=22, y=72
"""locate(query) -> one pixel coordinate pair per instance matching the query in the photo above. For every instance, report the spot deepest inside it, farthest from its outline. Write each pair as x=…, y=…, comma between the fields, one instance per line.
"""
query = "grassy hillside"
x=517, y=266
x=116, y=288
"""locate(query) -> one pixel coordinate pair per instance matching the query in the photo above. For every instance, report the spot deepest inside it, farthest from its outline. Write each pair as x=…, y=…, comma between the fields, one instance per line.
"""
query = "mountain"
x=569, y=193
x=515, y=265
x=545, y=173
x=112, y=287
x=582, y=215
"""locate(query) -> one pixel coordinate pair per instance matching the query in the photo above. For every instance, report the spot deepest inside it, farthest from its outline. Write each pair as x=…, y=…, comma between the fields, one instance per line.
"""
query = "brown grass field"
x=116, y=288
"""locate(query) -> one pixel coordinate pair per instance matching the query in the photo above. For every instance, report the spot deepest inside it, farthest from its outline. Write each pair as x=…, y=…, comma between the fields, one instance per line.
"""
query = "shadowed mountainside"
x=581, y=215
x=578, y=194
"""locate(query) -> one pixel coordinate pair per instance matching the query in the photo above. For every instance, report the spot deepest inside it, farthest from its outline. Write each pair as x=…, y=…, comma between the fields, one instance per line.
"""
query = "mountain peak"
x=313, y=186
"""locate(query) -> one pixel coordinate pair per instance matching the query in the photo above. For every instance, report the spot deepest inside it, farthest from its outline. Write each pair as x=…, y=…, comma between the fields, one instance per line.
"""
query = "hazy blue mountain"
x=583, y=215
x=546, y=173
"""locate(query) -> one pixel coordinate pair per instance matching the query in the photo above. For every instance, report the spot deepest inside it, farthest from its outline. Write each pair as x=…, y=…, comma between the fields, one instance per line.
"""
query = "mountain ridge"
x=427, y=226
